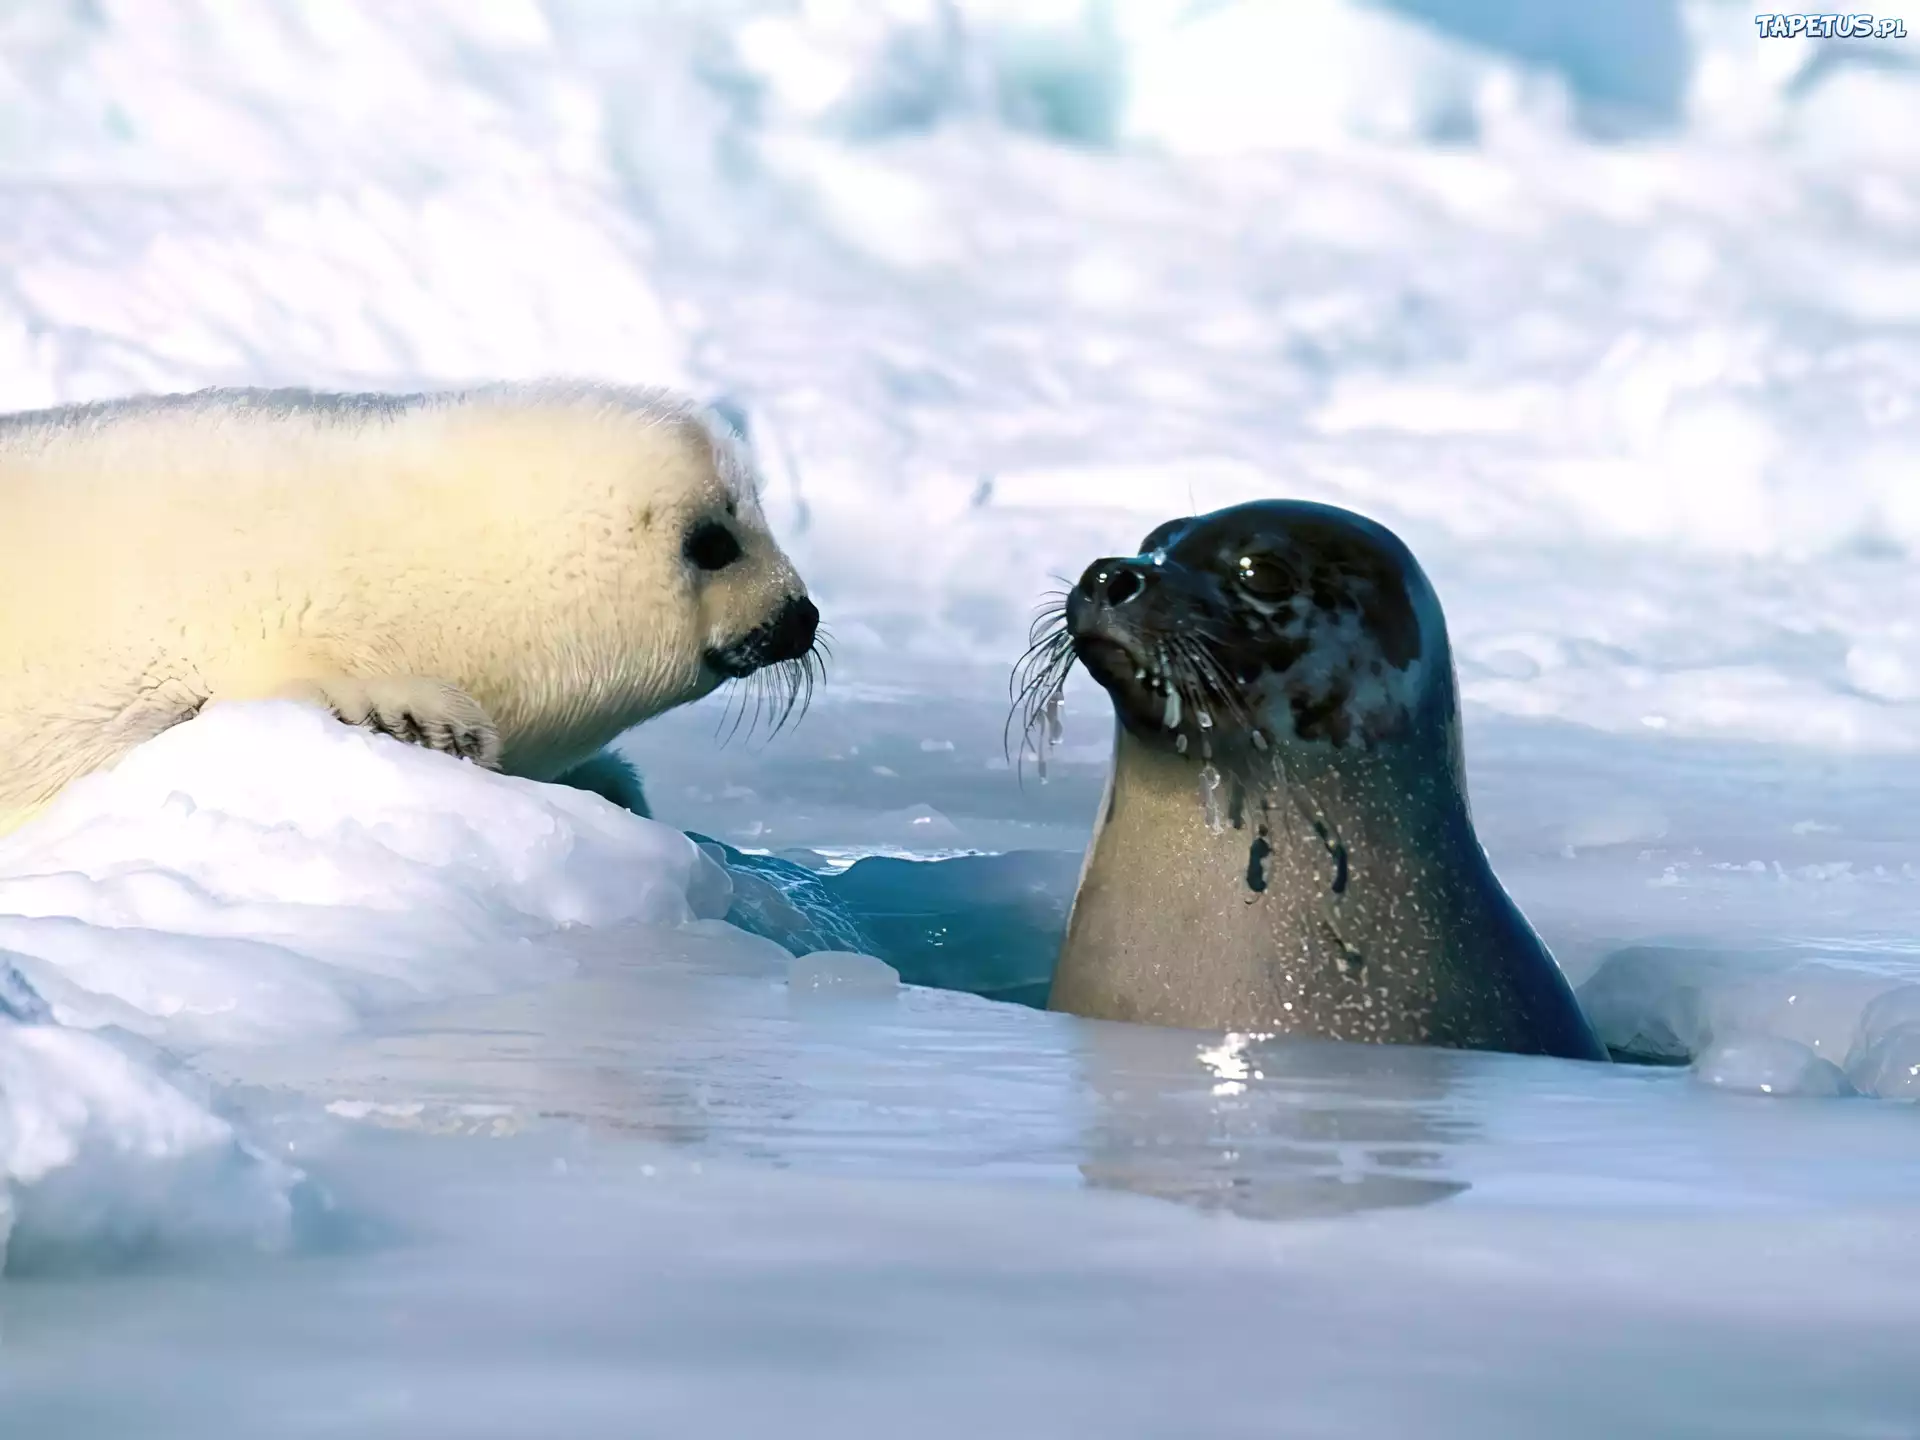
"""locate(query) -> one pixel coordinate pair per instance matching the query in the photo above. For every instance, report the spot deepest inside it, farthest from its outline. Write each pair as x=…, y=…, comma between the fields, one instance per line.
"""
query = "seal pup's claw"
x=428, y=713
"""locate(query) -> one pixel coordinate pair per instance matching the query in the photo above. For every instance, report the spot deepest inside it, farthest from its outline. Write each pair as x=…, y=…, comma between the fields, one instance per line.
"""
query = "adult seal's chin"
x=1286, y=844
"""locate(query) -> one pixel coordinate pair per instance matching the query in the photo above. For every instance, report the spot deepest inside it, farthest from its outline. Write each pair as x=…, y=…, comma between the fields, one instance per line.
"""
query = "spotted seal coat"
x=1285, y=844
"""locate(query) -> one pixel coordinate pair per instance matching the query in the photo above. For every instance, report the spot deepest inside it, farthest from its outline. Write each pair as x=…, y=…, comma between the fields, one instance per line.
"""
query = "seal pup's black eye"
x=1262, y=577
x=711, y=546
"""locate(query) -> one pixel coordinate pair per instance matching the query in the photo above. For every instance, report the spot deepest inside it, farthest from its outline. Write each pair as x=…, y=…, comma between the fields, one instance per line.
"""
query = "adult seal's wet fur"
x=1285, y=844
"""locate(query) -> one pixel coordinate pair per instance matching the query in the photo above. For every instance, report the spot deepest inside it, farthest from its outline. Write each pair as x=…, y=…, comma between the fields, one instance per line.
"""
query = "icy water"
x=639, y=1173
x=706, y=1200
x=346, y=1090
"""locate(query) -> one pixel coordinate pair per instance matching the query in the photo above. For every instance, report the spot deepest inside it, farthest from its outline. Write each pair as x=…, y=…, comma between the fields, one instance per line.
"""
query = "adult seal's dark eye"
x=711, y=546
x=1262, y=577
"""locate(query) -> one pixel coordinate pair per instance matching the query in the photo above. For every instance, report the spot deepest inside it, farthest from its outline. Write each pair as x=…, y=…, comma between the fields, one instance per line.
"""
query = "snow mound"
x=263, y=871
x=264, y=874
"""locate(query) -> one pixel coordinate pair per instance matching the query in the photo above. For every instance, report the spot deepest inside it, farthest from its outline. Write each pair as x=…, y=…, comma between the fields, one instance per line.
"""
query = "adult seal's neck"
x=1352, y=900
x=1407, y=791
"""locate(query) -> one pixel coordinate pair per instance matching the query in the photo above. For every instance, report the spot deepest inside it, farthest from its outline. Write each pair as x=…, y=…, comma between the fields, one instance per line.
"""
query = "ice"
x=1769, y=1065
x=739, y=1208
x=103, y=1162
x=987, y=924
x=18, y=1000
x=1884, y=1059
x=842, y=972
x=1742, y=1016
x=1888, y=1065
x=1607, y=310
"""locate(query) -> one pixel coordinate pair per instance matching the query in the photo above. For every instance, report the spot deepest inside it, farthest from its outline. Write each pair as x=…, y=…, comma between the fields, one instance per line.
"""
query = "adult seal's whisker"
x=1035, y=687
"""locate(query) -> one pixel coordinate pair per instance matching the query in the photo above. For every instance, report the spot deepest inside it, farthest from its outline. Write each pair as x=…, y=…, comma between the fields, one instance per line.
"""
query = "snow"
x=430, y=1099
x=209, y=890
x=212, y=892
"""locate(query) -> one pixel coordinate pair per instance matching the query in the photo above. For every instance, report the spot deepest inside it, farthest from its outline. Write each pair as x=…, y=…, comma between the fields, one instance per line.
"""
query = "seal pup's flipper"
x=611, y=777
x=420, y=711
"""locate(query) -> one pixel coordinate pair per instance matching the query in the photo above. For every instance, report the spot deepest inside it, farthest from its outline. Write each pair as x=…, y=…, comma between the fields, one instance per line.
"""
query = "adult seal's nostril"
x=1110, y=582
x=1123, y=584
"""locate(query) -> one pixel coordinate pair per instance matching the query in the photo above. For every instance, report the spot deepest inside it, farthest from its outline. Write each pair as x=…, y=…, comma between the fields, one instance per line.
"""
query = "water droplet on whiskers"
x=1050, y=730
x=1210, y=799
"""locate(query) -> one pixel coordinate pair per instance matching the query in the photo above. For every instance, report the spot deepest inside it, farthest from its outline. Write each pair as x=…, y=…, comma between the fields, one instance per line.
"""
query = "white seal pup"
x=514, y=574
x=1285, y=845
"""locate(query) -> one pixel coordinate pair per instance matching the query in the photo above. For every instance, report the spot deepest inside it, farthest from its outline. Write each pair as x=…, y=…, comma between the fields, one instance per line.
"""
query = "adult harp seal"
x=1285, y=843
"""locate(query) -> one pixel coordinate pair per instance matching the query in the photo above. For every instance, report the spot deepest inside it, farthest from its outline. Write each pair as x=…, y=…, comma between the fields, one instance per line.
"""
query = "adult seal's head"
x=1285, y=844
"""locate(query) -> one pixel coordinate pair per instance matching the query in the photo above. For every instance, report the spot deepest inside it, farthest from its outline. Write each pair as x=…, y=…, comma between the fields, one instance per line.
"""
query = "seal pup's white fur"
x=500, y=572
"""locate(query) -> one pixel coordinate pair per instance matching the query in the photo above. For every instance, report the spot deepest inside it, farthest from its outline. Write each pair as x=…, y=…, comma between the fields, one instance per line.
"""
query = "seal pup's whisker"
x=780, y=693
x=733, y=707
x=796, y=676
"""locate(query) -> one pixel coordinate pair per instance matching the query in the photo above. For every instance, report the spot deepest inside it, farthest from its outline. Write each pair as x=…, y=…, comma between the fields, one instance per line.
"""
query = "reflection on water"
x=691, y=1038
x=1270, y=1128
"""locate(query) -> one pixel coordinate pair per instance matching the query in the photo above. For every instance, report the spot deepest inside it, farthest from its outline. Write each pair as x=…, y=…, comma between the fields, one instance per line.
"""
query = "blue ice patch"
x=18, y=1000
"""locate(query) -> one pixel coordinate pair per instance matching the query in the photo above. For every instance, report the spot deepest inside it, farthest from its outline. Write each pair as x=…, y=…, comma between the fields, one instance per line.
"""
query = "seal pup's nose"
x=787, y=636
x=791, y=634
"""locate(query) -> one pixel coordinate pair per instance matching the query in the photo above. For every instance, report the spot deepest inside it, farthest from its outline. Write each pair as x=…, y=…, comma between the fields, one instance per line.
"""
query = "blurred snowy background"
x=1612, y=310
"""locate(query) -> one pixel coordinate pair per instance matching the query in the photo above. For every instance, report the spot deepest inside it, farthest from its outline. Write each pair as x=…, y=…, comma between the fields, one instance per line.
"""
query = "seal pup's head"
x=646, y=507
x=1265, y=628
x=751, y=606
